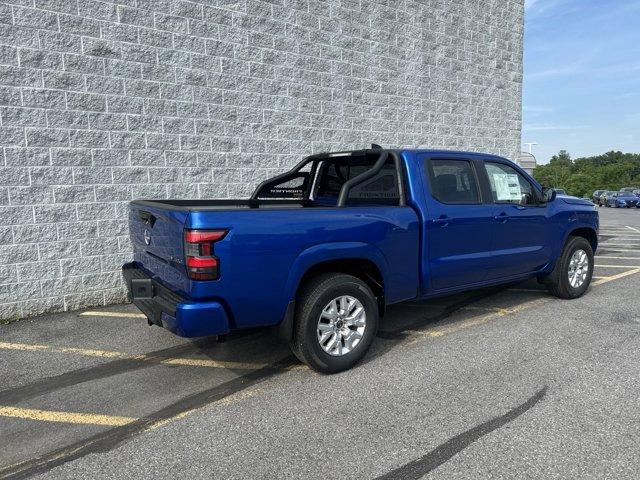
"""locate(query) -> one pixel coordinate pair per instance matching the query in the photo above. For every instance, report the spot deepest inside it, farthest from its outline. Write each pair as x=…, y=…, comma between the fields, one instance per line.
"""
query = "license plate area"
x=141, y=288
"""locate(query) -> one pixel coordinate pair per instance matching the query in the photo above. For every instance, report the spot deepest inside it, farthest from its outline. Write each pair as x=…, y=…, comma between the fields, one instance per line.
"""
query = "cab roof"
x=411, y=151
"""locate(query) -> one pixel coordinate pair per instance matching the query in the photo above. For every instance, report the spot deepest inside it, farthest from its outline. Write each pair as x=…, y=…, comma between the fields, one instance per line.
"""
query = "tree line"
x=582, y=176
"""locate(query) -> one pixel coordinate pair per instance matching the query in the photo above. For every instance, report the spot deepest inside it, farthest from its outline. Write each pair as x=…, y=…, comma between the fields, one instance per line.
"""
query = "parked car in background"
x=623, y=200
x=322, y=250
x=628, y=189
x=637, y=192
x=596, y=196
x=560, y=191
x=604, y=196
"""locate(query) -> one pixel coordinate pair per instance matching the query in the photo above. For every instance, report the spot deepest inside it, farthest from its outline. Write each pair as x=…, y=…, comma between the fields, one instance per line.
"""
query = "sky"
x=581, y=89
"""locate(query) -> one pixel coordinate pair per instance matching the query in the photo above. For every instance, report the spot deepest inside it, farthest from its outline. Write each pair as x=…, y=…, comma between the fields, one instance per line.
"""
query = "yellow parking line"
x=439, y=332
x=228, y=400
x=502, y=312
x=616, y=277
x=474, y=308
x=193, y=362
x=90, y=352
x=21, y=346
x=536, y=290
x=112, y=314
x=65, y=417
x=80, y=351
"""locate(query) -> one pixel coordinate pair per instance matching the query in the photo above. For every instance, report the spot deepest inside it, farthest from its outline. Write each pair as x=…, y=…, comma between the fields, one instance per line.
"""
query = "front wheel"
x=573, y=271
x=336, y=321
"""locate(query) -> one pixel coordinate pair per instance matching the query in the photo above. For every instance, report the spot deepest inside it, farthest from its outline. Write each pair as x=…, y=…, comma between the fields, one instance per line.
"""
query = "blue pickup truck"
x=320, y=251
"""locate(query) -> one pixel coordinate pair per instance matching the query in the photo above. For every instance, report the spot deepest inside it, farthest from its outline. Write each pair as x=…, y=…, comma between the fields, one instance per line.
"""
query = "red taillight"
x=201, y=263
x=197, y=236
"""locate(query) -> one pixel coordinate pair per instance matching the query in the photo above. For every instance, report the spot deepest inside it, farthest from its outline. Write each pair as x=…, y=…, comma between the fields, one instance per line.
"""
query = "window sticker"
x=507, y=187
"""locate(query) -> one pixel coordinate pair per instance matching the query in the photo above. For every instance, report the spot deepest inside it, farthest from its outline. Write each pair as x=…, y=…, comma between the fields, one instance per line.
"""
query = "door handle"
x=442, y=220
x=502, y=218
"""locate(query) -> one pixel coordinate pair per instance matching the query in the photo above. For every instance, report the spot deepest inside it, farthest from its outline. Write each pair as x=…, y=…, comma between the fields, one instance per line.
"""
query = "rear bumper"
x=166, y=308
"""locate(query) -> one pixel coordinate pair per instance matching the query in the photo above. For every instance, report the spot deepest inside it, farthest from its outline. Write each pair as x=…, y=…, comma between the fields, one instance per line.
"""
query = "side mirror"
x=548, y=194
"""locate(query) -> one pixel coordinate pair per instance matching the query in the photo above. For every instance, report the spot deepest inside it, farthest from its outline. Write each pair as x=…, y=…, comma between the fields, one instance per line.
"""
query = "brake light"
x=200, y=260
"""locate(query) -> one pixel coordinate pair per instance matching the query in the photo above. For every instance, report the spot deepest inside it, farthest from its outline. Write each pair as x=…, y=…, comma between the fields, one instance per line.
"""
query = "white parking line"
x=635, y=245
x=606, y=247
x=633, y=228
x=618, y=266
x=620, y=237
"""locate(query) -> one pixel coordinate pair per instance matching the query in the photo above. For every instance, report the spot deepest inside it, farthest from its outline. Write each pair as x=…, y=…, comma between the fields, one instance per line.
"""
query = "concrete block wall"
x=106, y=101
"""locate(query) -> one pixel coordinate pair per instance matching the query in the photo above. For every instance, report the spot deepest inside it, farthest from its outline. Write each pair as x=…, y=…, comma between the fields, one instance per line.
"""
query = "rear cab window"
x=380, y=189
x=453, y=181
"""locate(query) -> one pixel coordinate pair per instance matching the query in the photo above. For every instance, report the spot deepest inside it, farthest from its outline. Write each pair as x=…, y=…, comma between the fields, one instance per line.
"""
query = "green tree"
x=562, y=159
x=580, y=177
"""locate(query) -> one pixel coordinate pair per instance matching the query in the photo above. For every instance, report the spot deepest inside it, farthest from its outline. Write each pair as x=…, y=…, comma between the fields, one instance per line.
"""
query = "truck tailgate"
x=157, y=235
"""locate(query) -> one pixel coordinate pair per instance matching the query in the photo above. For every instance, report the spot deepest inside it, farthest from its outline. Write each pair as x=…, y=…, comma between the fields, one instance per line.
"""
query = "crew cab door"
x=521, y=229
x=457, y=230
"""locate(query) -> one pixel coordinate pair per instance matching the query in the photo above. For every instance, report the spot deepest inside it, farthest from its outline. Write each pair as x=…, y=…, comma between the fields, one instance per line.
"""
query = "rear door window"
x=453, y=181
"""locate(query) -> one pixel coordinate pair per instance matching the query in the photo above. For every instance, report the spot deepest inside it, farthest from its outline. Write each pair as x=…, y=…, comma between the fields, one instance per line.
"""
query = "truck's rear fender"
x=315, y=257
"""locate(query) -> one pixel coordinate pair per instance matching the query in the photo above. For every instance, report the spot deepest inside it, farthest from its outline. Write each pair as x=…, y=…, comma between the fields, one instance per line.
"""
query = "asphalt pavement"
x=500, y=383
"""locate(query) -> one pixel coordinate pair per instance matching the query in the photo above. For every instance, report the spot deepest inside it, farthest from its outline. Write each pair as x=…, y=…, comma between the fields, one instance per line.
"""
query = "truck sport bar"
x=372, y=172
x=348, y=185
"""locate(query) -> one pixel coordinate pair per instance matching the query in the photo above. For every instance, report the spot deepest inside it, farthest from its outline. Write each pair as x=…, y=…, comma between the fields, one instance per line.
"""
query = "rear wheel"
x=573, y=271
x=336, y=321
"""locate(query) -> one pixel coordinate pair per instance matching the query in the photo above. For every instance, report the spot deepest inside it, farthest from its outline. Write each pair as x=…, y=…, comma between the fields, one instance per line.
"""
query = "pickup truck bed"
x=386, y=225
x=235, y=204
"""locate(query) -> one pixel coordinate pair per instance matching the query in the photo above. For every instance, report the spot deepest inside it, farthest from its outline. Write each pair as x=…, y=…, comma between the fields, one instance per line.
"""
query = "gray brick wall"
x=105, y=101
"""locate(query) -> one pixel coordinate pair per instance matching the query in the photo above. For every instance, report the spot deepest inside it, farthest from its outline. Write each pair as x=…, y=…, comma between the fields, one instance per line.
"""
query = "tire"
x=558, y=281
x=313, y=300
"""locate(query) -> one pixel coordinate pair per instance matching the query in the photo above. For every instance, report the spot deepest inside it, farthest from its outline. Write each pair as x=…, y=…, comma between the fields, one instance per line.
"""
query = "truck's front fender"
x=326, y=252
